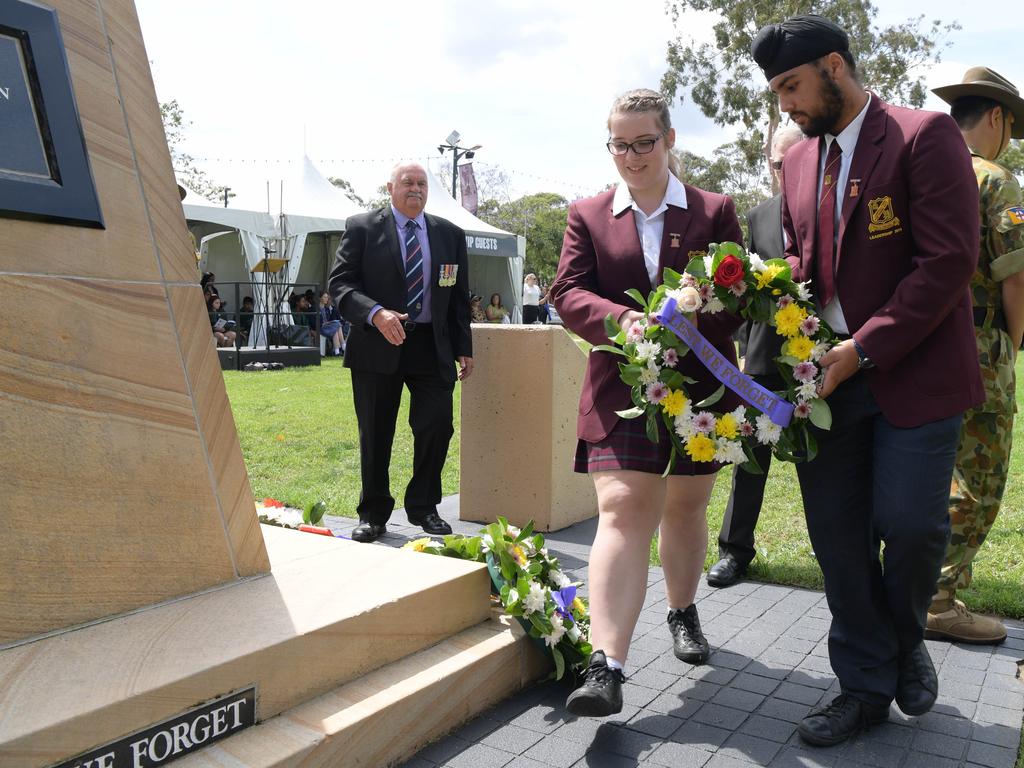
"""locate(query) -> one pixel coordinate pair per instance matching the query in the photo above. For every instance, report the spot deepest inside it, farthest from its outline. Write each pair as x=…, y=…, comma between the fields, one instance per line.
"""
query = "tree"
x=1013, y=158
x=348, y=189
x=184, y=164
x=727, y=86
x=541, y=218
x=730, y=172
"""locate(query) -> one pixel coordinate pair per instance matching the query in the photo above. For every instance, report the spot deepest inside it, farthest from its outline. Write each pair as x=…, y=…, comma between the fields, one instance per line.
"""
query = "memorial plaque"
x=44, y=167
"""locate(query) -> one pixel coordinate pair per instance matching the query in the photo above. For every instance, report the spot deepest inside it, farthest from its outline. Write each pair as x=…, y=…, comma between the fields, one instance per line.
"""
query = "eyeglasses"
x=639, y=147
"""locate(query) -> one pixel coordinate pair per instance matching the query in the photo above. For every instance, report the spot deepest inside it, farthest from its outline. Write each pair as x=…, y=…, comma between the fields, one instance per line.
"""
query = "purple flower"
x=671, y=357
x=738, y=289
x=563, y=599
x=706, y=291
x=704, y=422
x=746, y=429
x=657, y=391
x=653, y=319
x=805, y=371
x=809, y=326
x=802, y=411
x=784, y=302
x=635, y=333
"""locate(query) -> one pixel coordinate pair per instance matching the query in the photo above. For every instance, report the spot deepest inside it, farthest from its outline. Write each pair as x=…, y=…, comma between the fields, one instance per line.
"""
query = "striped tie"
x=825, y=243
x=413, y=271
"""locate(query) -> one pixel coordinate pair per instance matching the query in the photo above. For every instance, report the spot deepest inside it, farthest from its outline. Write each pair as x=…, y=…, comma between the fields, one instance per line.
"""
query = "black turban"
x=798, y=40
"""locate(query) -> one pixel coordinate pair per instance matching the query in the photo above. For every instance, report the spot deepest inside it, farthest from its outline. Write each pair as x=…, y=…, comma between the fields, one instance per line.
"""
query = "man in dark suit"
x=401, y=280
x=881, y=210
x=762, y=346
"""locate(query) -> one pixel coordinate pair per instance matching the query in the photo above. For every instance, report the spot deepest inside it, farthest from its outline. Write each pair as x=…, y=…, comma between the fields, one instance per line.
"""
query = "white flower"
x=740, y=414
x=535, y=600
x=573, y=633
x=819, y=351
x=714, y=305
x=287, y=517
x=486, y=542
x=684, y=424
x=708, y=261
x=647, y=376
x=687, y=298
x=688, y=281
x=768, y=432
x=558, y=578
x=729, y=451
x=557, y=630
x=513, y=531
x=803, y=290
x=756, y=263
x=808, y=390
x=647, y=350
x=635, y=333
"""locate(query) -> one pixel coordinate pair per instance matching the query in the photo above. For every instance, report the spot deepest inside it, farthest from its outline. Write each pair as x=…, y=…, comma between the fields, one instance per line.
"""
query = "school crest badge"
x=883, y=218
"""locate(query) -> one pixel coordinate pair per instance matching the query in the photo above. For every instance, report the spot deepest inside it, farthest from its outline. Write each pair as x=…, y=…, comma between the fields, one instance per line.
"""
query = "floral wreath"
x=726, y=278
x=529, y=584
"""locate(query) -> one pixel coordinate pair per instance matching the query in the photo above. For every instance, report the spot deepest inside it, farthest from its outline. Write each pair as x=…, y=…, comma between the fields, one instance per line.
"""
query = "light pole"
x=457, y=154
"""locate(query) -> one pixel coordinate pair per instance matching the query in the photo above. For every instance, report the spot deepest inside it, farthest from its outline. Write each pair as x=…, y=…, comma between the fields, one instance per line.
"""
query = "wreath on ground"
x=725, y=279
x=529, y=584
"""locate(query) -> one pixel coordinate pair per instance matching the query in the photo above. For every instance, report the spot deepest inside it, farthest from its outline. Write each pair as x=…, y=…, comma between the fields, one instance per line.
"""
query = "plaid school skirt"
x=627, y=447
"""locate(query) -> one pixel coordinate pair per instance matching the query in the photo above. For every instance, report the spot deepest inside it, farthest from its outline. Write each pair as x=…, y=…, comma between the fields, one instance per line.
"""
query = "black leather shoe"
x=367, y=532
x=918, y=685
x=839, y=720
x=431, y=523
x=600, y=694
x=688, y=641
x=726, y=572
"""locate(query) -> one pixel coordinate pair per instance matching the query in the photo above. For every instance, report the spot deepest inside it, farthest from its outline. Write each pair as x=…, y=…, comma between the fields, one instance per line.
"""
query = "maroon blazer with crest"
x=601, y=259
x=908, y=245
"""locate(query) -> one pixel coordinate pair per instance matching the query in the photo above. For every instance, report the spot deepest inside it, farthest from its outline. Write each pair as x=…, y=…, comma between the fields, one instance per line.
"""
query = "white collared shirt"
x=651, y=229
x=847, y=138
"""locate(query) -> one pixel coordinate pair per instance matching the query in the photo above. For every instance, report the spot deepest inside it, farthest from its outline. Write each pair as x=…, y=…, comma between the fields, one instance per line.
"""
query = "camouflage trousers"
x=982, y=463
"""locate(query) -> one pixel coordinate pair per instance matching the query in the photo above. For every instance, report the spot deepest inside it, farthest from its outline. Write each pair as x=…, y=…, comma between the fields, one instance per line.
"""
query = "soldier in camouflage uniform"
x=989, y=111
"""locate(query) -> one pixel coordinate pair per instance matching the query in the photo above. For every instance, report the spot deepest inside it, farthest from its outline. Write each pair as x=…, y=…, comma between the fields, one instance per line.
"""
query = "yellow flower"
x=674, y=403
x=579, y=610
x=701, y=448
x=518, y=555
x=771, y=271
x=799, y=347
x=726, y=426
x=420, y=545
x=788, y=319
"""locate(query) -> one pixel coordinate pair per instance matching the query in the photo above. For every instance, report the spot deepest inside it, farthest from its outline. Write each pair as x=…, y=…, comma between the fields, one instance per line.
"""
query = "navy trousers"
x=876, y=501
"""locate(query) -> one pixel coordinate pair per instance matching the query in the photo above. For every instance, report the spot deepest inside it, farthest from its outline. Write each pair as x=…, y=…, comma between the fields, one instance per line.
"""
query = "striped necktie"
x=826, y=238
x=413, y=271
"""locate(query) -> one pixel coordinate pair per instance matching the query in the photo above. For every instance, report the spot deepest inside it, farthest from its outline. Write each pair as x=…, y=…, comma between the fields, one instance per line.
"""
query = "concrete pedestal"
x=519, y=429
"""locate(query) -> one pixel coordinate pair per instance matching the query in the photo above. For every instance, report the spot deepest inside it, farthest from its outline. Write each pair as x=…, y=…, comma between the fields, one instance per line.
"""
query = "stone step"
x=330, y=612
x=388, y=715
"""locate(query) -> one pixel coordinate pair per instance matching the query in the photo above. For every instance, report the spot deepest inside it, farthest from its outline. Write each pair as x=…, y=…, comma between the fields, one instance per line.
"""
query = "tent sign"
x=176, y=737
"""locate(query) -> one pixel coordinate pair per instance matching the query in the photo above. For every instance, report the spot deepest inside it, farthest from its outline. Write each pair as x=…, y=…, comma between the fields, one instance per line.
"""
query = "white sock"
x=613, y=663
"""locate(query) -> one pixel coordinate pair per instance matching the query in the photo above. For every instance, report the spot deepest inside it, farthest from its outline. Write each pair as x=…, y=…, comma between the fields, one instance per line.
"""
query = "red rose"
x=729, y=272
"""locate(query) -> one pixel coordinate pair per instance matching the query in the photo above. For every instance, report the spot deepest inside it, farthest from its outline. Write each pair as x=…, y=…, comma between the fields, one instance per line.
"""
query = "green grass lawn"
x=298, y=433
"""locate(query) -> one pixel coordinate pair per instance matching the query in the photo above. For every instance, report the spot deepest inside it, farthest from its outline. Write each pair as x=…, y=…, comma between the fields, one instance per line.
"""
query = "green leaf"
x=696, y=267
x=821, y=414
x=314, y=512
x=712, y=398
x=789, y=360
x=630, y=413
x=729, y=248
x=559, y=663
x=671, y=464
x=671, y=279
x=631, y=373
x=673, y=379
x=638, y=297
x=652, y=427
x=611, y=326
x=608, y=348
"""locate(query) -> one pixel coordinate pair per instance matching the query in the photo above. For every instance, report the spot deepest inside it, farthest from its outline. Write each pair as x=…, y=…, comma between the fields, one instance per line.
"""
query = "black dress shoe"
x=600, y=694
x=688, y=641
x=726, y=572
x=431, y=523
x=839, y=720
x=367, y=532
x=918, y=685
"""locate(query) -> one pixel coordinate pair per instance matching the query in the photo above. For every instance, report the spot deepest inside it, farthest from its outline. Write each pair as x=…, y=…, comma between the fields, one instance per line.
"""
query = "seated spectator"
x=223, y=327
x=477, y=314
x=330, y=324
x=304, y=315
x=496, y=312
x=245, y=317
x=207, y=283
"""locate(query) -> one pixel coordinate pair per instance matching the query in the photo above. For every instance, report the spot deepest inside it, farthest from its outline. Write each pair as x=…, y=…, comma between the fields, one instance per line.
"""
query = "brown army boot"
x=950, y=620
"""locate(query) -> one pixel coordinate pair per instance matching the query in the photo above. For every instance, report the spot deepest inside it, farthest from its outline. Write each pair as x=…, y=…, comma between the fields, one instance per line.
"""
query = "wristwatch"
x=863, y=361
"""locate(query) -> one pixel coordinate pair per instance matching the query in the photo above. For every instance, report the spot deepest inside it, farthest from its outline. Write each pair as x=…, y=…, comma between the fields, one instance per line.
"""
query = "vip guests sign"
x=44, y=167
x=160, y=744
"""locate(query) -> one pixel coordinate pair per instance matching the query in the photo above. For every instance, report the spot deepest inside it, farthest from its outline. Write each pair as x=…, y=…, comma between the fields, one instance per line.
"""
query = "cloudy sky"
x=361, y=85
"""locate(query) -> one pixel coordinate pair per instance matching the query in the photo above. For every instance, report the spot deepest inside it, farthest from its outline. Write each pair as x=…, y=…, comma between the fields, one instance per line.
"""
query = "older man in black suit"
x=401, y=279
x=763, y=345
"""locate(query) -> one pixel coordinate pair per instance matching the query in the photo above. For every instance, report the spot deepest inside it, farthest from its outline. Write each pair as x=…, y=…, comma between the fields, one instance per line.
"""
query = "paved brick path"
x=770, y=664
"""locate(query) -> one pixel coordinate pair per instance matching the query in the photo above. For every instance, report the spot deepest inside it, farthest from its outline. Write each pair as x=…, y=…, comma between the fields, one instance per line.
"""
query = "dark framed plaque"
x=44, y=166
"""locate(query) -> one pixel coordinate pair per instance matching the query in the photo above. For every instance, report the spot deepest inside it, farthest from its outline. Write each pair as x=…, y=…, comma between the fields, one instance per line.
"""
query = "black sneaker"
x=688, y=642
x=600, y=694
x=840, y=719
